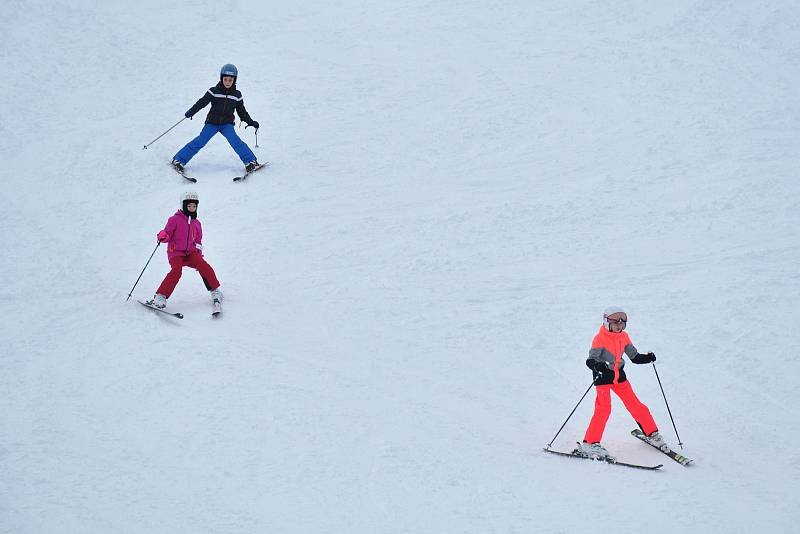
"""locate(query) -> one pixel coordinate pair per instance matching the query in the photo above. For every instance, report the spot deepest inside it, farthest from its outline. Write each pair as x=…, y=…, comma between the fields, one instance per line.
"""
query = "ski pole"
x=145, y=267
x=665, y=402
x=572, y=412
x=163, y=134
x=248, y=126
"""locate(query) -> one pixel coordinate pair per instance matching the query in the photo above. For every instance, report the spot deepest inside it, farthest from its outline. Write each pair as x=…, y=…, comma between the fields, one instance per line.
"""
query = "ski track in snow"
x=456, y=192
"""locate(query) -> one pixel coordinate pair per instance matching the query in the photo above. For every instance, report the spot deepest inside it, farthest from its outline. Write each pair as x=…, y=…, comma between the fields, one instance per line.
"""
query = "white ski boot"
x=216, y=300
x=159, y=301
x=656, y=440
x=594, y=451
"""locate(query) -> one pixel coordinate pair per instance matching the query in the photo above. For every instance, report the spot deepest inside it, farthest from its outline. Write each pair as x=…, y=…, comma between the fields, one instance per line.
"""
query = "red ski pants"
x=194, y=260
x=602, y=409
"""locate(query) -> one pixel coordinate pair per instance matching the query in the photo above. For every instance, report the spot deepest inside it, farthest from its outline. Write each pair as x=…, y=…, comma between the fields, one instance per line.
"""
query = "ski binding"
x=683, y=460
x=574, y=454
x=183, y=173
x=149, y=304
x=245, y=175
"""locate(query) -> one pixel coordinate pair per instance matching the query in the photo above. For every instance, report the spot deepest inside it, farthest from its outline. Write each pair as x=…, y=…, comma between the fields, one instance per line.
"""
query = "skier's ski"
x=635, y=466
x=148, y=305
x=683, y=460
x=245, y=175
x=183, y=173
x=217, y=311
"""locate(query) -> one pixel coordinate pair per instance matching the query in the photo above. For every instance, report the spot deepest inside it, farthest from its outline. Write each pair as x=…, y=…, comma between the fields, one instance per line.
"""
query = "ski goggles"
x=622, y=321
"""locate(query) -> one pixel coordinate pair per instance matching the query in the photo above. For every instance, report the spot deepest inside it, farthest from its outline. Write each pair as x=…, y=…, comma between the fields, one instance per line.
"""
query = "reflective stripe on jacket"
x=223, y=103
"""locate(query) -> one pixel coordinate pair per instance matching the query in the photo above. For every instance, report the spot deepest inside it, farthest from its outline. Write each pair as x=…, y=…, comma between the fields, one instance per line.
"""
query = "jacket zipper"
x=617, y=360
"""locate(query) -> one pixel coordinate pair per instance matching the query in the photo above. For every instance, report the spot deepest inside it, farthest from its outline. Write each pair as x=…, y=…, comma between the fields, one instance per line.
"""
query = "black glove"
x=601, y=368
x=644, y=358
x=188, y=114
x=596, y=365
x=254, y=124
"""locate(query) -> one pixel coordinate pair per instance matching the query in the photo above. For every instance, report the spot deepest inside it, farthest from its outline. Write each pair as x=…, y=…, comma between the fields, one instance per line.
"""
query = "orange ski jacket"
x=609, y=347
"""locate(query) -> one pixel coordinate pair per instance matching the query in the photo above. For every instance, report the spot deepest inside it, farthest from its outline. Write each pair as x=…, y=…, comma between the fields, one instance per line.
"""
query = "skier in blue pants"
x=224, y=99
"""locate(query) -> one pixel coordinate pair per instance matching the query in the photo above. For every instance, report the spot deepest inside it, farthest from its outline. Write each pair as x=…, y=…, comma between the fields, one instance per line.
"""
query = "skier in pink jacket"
x=184, y=236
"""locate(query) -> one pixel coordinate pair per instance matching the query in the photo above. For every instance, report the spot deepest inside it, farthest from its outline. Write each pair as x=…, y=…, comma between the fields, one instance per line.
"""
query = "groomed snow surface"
x=458, y=189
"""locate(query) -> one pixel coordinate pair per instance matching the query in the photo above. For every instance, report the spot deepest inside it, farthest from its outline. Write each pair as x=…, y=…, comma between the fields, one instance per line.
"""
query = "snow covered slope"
x=458, y=189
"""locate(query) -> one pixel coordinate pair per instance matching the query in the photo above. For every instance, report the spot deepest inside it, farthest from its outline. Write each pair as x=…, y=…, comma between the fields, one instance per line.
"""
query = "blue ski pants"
x=209, y=131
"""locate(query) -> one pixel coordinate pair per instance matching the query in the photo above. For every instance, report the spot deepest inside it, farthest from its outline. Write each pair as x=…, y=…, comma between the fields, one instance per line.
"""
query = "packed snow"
x=457, y=191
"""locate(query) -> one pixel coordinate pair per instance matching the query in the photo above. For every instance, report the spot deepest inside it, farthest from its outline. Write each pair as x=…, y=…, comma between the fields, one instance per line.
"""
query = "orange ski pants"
x=602, y=410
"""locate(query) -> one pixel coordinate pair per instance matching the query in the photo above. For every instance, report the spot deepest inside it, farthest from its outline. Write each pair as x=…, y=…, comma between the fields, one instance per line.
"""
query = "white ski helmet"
x=611, y=310
x=189, y=196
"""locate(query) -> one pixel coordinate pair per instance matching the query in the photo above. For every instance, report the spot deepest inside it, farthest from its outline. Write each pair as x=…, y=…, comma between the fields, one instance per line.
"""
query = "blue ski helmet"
x=229, y=70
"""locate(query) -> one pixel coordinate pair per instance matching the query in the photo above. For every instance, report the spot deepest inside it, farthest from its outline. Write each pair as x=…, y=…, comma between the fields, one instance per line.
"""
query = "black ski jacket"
x=223, y=102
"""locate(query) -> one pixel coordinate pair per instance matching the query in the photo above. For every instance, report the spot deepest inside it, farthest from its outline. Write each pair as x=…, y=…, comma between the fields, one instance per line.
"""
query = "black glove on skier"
x=644, y=358
x=254, y=124
x=600, y=368
x=188, y=114
x=596, y=365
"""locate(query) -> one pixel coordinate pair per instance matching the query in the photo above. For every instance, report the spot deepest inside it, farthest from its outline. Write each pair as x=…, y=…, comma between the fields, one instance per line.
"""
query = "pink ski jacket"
x=185, y=235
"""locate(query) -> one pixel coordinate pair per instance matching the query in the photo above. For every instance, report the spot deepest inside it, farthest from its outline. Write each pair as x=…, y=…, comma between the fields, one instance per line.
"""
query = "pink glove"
x=162, y=236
